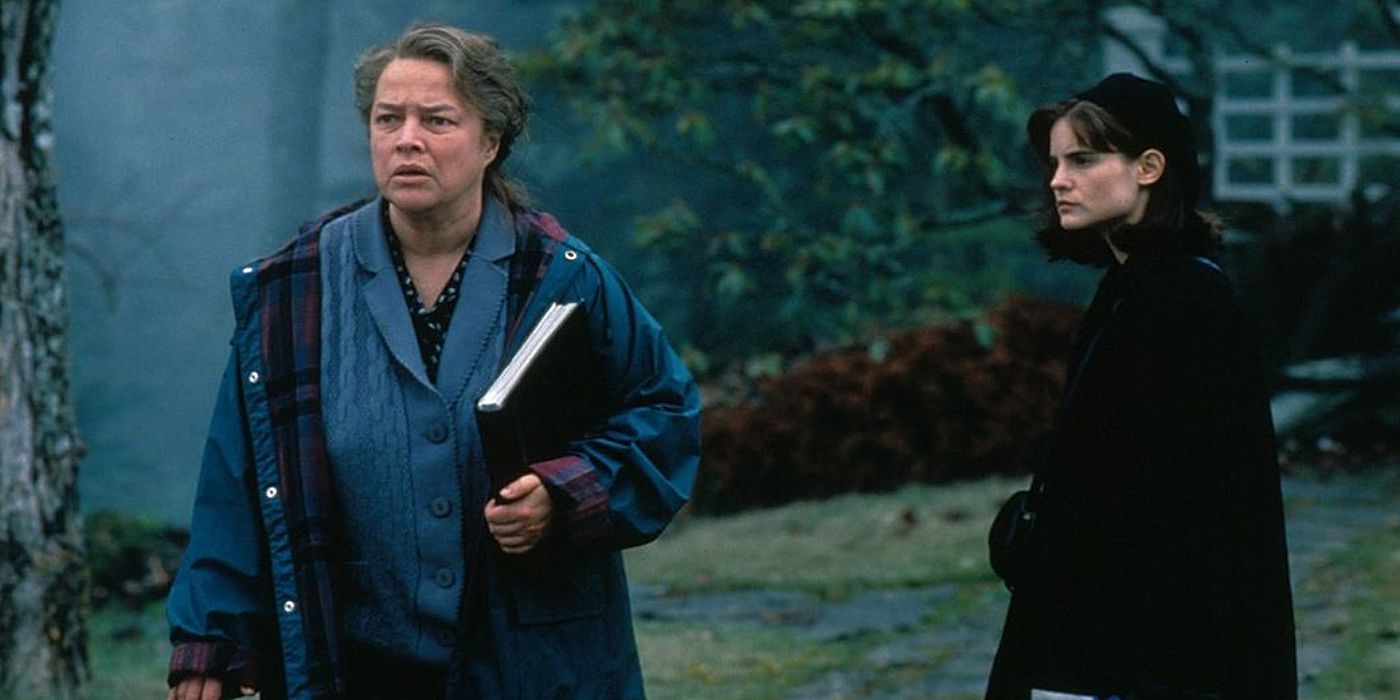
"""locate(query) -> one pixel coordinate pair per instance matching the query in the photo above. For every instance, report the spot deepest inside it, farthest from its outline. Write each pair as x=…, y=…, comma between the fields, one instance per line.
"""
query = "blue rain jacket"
x=555, y=624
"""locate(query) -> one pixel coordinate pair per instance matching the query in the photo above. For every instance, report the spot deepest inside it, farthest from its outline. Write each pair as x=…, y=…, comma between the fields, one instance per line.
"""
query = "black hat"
x=1147, y=109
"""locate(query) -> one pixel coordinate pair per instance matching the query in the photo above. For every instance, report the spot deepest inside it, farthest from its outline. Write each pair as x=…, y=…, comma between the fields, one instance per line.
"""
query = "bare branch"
x=108, y=279
x=997, y=209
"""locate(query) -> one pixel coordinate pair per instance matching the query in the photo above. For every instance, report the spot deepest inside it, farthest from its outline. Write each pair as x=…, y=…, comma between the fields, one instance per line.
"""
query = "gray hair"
x=484, y=78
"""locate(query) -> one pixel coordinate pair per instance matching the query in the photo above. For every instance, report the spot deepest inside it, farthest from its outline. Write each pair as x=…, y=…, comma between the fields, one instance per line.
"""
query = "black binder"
x=549, y=393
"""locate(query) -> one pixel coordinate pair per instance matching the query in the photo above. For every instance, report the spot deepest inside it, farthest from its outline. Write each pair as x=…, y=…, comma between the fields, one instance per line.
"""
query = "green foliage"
x=822, y=148
x=131, y=559
x=801, y=162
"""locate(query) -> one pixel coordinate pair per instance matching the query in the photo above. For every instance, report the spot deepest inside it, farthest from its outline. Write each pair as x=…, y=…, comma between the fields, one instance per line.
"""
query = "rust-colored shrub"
x=945, y=402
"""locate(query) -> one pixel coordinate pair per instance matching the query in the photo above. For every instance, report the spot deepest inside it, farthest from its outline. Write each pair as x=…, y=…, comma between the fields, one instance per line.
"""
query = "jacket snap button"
x=289, y=606
x=248, y=270
x=254, y=377
x=271, y=492
x=570, y=255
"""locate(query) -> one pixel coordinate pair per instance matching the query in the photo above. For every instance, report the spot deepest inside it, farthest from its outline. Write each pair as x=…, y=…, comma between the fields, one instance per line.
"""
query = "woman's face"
x=427, y=145
x=1094, y=189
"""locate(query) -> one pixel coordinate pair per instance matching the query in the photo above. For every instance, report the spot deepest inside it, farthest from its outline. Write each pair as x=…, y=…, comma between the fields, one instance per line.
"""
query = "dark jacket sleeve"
x=1208, y=560
x=214, y=606
x=625, y=479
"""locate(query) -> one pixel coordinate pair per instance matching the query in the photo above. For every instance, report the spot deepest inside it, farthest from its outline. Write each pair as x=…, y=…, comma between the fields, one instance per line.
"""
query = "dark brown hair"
x=1170, y=224
x=484, y=78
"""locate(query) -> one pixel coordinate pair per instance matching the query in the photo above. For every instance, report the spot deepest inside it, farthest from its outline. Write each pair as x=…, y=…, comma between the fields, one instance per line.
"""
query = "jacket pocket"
x=546, y=590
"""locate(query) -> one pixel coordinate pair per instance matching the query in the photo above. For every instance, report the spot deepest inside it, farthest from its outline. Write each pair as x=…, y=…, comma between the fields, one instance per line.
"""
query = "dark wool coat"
x=1160, y=565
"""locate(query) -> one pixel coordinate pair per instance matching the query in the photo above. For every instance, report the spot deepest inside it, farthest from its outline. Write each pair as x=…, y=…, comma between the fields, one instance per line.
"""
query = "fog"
x=165, y=114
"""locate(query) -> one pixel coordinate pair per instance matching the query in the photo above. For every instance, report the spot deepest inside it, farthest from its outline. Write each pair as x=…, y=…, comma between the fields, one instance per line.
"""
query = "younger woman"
x=1157, y=565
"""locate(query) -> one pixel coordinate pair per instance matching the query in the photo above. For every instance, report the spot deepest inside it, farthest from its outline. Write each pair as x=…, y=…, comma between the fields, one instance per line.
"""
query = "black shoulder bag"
x=1009, y=541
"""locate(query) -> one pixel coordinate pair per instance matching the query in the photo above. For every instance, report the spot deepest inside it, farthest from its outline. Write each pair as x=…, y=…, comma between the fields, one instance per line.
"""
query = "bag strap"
x=1208, y=263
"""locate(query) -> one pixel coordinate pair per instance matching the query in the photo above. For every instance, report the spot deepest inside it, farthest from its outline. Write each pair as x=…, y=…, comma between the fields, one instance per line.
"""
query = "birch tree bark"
x=42, y=578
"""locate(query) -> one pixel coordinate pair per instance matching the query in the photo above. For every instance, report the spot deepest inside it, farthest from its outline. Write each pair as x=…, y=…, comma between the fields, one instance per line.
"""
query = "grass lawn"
x=1367, y=578
x=692, y=661
x=128, y=653
x=919, y=535
x=915, y=537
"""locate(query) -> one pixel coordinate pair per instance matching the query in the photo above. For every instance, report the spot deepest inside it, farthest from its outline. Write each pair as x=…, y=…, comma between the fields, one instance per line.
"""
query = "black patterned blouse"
x=430, y=325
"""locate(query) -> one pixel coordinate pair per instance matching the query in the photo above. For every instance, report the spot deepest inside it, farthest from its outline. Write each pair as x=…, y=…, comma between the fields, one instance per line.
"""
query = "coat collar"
x=485, y=279
x=495, y=240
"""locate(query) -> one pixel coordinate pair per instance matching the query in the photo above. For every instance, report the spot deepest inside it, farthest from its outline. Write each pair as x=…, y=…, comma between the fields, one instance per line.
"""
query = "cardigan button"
x=440, y=507
x=436, y=433
x=445, y=578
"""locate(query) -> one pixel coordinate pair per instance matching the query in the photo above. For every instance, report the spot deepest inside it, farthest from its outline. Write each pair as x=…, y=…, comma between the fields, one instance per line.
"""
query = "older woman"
x=1156, y=566
x=346, y=542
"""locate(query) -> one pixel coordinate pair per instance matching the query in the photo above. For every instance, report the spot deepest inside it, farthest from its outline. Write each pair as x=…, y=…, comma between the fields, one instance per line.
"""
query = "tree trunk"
x=42, y=575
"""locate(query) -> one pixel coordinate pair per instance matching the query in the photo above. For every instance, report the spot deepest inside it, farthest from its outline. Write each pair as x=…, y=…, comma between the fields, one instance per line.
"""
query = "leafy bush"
x=132, y=560
x=932, y=404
